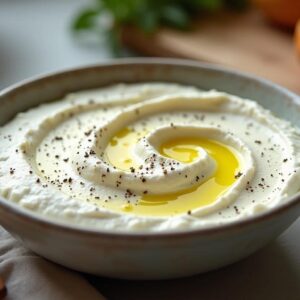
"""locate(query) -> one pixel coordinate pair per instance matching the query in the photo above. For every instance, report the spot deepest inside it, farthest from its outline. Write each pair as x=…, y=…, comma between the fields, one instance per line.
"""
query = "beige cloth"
x=28, y=276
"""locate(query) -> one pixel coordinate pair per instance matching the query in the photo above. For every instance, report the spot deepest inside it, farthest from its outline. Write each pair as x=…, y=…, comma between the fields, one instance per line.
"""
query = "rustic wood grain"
x=242, y=41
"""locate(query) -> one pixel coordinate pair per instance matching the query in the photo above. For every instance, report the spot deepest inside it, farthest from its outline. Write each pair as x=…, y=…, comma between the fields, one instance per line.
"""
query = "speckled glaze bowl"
x=152, y=255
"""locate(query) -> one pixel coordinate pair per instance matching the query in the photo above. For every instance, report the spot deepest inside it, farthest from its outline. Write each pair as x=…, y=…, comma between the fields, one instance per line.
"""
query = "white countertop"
x=35, y=38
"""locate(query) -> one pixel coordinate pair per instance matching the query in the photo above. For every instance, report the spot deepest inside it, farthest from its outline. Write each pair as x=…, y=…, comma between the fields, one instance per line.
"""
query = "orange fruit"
x=297, y=37
x=283, y=12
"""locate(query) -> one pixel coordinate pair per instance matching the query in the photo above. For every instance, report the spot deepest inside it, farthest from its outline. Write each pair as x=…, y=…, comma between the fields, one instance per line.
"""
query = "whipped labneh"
x=149, y=157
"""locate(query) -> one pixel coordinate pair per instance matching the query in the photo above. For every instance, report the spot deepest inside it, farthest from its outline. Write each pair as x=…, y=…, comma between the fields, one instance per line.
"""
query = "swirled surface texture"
x=149, y=157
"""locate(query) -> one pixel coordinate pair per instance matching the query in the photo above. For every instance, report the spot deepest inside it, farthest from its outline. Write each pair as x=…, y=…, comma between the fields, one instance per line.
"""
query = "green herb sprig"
x=146, y=15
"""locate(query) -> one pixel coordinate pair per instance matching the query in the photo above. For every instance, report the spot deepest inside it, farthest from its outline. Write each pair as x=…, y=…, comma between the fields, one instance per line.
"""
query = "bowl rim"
x=39, y=220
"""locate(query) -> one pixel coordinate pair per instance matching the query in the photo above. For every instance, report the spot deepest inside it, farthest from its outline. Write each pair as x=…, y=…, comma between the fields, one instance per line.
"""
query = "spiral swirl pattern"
x=134, y=155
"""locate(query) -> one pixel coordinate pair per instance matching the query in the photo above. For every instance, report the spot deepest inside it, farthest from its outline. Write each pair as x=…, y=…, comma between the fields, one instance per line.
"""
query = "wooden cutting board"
x=244, y=41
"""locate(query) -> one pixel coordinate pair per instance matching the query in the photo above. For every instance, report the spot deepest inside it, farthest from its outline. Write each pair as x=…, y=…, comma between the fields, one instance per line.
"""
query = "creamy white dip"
x=95, y=158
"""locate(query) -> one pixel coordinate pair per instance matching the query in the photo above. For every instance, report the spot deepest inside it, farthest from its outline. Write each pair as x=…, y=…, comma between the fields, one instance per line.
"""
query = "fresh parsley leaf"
x=86, y=19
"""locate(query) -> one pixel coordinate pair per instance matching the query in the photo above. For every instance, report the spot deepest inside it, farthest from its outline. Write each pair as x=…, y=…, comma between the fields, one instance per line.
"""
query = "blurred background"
x=256, y=36
x=260, y=36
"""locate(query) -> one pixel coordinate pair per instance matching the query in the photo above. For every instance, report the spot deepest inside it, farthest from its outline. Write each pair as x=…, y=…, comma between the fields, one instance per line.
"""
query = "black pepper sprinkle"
x=236, y=210
x=87, y=133
x=239, y=174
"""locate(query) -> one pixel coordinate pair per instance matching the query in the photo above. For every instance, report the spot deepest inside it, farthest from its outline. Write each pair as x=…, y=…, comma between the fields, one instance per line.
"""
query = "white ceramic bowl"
x=153, y=255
